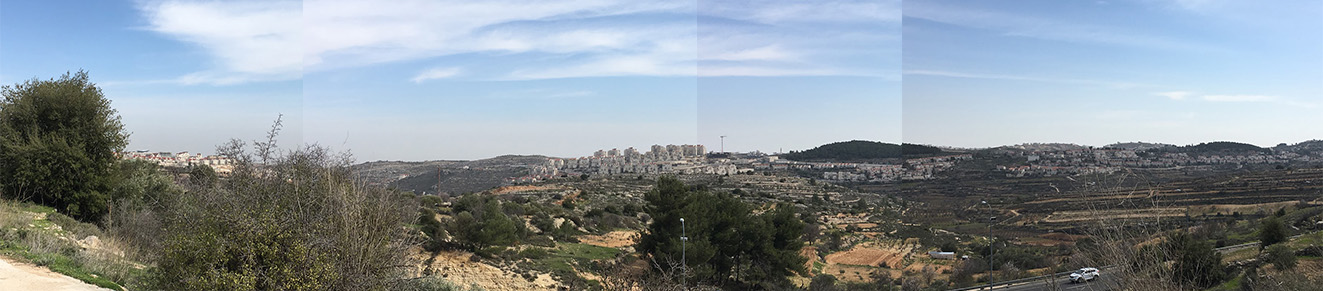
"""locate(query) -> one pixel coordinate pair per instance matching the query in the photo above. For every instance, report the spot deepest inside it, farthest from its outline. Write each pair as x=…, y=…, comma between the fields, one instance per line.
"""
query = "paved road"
x=1063, y=283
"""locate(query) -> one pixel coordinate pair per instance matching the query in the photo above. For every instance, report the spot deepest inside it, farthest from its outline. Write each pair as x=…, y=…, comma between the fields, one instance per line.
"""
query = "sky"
x=425, y=80
x=988, y=73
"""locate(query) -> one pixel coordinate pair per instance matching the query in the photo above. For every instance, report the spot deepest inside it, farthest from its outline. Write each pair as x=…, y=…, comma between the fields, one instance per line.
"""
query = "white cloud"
x=248, y=40
x=763, y=53
x=253, y=41
x=1174, y=95
x=1240, y=98
x=781, y=11
x=1047, y=29
x=938, y=73
x=435, y=73
x=344, y=33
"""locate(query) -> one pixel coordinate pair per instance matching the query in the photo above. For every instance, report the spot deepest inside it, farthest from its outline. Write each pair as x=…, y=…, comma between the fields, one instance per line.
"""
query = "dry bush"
x=1135, y=246
x=282, y=220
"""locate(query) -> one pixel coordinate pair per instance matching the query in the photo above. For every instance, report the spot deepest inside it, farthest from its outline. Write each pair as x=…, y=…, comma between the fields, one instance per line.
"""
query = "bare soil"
x=456, y=267
x=615, y=239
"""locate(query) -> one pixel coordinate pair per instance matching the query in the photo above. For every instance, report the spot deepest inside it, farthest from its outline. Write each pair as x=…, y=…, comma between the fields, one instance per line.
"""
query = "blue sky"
x=472, y=79
x=986, y=73
x=420, y=80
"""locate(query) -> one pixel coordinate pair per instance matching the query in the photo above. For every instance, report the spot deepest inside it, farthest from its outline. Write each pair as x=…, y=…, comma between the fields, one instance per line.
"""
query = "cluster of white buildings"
x=912, y=169
x=1106, y=160
x=221, y=164
x=669, y=159
x=926, y=168
x=1040, y=170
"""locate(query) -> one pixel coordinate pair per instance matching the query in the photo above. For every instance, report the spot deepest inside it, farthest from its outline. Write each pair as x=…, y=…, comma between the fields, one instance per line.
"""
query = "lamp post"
x=990, y=245
x=684, y=256
x=992, y=249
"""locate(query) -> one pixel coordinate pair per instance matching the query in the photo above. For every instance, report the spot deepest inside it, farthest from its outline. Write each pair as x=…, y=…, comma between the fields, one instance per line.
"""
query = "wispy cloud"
x=1174, y=95
x=541, y=94
x=248, y=40
x=1240, y=98
x=781, y=12
x=952, y=74
x=1047, y=29
x=1236, y=98
x=772, y=52
x=345, y=34
x=252, y=41
x=435, y=73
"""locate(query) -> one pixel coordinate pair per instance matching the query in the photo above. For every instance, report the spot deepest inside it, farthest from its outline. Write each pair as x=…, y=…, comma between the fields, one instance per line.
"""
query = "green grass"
x=1308, y=239
x=565, y=258
x=817, y=267
x=1232, y=285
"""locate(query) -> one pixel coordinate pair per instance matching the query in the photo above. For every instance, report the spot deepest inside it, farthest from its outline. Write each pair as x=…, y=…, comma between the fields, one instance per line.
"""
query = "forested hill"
x=860, y=150
x=1218, y=147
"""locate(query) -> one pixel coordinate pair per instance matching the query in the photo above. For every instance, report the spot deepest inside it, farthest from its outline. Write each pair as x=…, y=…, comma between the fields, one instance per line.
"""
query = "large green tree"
x=728, y=243
x=58, y=144
x=480, y=223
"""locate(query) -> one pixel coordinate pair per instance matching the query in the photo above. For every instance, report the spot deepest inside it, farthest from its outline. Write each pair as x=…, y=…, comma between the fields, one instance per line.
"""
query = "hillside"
x=1302, y=147
x=1138, y=146
x=1218, y=147
x=860, y=150
x=453, y=177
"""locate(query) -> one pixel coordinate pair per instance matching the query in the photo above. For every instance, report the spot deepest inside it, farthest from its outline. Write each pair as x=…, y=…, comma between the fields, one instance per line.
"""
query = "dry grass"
x=34, y=234
x=1114, y=214
x=1229, y=209
x=615, y=239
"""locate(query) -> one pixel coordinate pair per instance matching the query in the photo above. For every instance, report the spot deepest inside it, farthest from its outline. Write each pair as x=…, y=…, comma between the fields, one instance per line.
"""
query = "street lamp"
x=991, y=246
x=992, y=249
x=684, y=260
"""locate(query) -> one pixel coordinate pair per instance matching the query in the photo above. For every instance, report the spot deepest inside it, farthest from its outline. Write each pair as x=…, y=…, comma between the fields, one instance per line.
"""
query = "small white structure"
x=942, y=255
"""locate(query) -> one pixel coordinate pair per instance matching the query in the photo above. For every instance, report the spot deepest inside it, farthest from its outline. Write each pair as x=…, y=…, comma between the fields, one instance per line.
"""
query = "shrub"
x=533, y=253
x=480, y=223
x=1281, y=257
x=287, y=221
x=80, y=230
x=1271, y=232
x=1196, y=261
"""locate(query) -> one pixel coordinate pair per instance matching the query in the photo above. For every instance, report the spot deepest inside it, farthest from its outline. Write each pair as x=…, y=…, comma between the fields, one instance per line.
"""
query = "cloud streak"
x=247, y=40
x=1046, y=29
x=1240, y=98
x=951, y=74
x=1174, y=95
x=435, y=73
x=255, y=41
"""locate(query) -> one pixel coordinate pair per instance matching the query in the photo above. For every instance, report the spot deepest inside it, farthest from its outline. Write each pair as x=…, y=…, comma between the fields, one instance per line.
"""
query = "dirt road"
x=23, y=276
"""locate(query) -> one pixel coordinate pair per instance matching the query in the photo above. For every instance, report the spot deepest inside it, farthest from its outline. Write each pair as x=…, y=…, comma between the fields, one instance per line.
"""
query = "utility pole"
x=684, y=256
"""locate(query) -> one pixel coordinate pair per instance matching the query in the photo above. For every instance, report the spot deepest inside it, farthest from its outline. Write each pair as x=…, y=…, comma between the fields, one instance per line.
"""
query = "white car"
x=1084, y=274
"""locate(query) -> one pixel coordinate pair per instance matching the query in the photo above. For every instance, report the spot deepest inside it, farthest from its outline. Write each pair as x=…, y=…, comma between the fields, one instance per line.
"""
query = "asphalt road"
x=1103, y=282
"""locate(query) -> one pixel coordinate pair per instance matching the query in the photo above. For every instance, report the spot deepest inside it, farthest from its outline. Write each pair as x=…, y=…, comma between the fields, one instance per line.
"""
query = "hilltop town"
x=218, y=163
